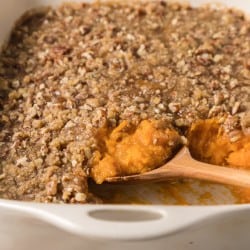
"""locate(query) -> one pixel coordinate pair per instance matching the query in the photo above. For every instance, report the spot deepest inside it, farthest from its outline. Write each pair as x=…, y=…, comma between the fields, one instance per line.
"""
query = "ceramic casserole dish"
x=27, y=226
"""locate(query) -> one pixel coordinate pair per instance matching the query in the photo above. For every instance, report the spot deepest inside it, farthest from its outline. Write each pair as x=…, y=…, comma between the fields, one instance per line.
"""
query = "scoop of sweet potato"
x=131, y=150
x=210, y=143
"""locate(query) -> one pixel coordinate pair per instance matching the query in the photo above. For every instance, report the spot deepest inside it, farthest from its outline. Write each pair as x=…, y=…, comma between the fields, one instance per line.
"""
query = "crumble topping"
x=69, y=71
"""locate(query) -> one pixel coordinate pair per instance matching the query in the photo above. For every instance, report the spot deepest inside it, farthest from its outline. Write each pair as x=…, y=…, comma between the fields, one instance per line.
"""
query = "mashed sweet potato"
x=210, y=143
x=131, y=150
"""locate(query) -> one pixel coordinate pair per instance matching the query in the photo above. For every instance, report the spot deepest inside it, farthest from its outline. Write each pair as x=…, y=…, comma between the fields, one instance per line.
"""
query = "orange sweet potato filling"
x=131, y=150
x=208, y=142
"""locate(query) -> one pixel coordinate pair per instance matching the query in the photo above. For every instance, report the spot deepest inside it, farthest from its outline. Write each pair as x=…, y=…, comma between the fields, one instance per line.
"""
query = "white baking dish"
x=25, y=226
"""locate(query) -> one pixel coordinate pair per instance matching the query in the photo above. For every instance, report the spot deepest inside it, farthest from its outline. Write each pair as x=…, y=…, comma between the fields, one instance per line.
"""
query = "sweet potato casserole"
x=105, y=89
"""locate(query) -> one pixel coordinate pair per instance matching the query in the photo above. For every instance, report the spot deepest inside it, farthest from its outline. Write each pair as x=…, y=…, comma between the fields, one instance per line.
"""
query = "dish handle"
x=116, y=222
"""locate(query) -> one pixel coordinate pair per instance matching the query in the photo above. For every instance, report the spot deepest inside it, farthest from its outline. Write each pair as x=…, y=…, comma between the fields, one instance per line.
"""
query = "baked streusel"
x=67, y=72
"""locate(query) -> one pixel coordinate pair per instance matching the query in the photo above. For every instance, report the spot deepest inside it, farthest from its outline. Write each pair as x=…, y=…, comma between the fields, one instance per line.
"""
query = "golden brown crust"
x=75, y=69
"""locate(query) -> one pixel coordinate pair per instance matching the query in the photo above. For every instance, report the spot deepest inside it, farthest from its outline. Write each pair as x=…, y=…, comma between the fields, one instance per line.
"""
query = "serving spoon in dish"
x=184, y=166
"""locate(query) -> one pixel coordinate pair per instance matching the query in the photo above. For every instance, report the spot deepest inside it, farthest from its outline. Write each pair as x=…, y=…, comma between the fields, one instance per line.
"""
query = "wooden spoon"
x=184, y=166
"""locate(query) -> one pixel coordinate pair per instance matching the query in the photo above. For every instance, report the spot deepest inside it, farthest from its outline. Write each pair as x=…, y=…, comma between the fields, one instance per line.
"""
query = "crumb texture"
x=67, y=72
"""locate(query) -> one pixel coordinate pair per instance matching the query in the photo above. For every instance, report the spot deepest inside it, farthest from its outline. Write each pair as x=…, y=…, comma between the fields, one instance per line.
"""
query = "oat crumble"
x=69, y=71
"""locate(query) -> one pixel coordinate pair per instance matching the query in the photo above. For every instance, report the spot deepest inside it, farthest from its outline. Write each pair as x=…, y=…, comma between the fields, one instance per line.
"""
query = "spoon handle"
x=184, y=166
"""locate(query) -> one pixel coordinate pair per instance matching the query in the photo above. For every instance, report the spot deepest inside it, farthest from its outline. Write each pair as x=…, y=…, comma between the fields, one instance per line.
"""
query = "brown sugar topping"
x=69, y=71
